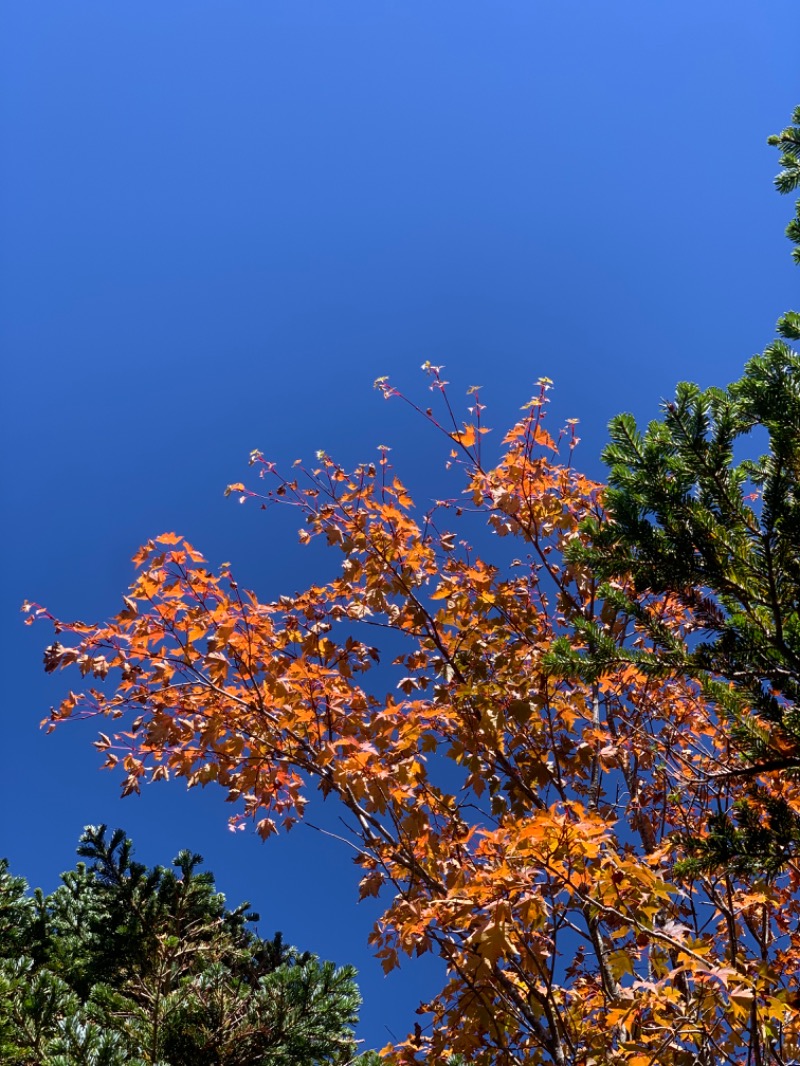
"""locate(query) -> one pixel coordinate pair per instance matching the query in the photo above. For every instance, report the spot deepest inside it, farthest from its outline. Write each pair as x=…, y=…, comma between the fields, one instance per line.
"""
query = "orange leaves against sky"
x=522, y=824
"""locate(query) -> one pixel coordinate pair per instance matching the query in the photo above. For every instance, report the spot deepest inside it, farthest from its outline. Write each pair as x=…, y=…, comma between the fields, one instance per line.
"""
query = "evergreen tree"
x=722, y=537
x=788, y=141
x=17, y=913
x=125, y=964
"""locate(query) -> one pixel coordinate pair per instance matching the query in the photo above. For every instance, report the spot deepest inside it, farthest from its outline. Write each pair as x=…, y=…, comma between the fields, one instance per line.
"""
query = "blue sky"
x=220, y=222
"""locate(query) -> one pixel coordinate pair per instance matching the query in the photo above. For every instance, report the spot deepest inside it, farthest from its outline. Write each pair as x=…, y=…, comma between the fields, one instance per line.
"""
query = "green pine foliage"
x=124, y=965
x=722, y=536
x=788, y=181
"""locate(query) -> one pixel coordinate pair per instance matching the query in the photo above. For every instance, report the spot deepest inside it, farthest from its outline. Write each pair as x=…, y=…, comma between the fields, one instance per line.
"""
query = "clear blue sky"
x=220, y=221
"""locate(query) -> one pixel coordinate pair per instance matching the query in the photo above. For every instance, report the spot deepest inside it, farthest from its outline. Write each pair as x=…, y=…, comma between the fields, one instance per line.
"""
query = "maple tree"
x=524, y=819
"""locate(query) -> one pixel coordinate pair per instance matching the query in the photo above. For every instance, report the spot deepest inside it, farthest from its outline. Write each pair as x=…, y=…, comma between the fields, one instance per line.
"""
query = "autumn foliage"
x=524, y=822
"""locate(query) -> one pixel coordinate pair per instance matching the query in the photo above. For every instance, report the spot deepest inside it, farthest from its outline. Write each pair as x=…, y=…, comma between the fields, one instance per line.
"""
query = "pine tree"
x=721, y=537
x=788, y=141
x=125, y=964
